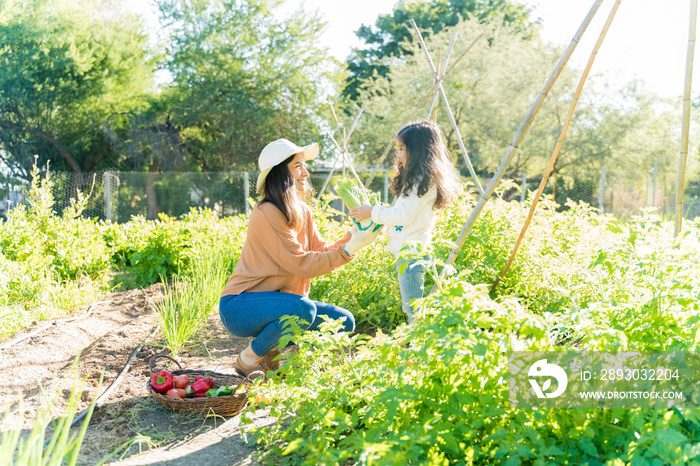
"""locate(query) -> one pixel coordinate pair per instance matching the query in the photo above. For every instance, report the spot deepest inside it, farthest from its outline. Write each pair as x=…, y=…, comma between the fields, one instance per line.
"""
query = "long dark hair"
x=281, y=191
x=427, y=163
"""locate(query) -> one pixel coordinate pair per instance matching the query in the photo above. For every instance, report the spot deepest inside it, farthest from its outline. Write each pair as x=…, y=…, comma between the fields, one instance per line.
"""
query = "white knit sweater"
x=409, y=219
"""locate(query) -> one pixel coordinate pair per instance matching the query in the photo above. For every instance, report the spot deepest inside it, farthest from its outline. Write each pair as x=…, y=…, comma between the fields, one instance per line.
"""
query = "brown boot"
x=245, y=370
x=269, y=360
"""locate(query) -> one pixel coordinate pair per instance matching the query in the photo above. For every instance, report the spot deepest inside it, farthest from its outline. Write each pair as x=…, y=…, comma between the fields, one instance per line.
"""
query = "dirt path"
x=129, y=423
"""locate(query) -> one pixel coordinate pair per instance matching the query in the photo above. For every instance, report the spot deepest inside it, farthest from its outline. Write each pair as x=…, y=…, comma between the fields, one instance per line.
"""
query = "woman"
x=282, y=252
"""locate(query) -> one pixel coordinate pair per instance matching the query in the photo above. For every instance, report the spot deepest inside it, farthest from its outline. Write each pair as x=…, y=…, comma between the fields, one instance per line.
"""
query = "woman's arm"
x=341, y=242
x=282, y=244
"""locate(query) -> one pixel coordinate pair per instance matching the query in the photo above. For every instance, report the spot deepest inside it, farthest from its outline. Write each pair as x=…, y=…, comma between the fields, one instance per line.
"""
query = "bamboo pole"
x=439, y=78
x=518, y=138
x=346, y=157
x=465, y=154
x=463, y=54
x=347, y=138
x=557, y=147
x=432, y=102
x=328, y=178
x=434, y=110
x=388, y=147
x=335, y=117
x=601, y=191
x=685, y=125
x=443, y=69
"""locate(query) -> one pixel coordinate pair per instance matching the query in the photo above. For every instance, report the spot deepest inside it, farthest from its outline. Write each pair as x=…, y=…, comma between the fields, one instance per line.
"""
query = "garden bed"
x=129, y=423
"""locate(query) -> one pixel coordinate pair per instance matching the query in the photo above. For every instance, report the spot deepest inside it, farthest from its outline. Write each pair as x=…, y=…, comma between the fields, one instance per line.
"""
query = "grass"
x=62, y=448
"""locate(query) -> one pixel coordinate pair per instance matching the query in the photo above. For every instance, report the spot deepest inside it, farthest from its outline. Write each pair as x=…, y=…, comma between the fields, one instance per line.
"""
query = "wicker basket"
x=229, y=405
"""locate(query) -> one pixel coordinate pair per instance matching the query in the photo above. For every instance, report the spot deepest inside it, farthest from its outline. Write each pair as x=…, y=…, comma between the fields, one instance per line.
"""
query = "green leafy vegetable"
x=353, y=195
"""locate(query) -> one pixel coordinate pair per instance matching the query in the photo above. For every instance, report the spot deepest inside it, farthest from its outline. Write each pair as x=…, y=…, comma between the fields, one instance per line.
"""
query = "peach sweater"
x=277, y=258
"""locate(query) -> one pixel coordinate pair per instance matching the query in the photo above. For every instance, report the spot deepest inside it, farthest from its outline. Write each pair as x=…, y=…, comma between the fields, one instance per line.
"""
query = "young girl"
x=425, y=180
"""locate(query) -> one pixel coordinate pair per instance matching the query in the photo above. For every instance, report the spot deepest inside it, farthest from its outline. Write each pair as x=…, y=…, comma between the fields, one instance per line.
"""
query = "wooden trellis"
x=486, y=193
x=343, y=150
x=685, y=125
x=437, y=87
x=557, y=147
x=510, y=153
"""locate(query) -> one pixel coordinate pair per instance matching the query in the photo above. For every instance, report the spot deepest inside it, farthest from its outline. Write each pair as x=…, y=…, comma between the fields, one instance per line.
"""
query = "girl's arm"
x=406, y=211
x=362, y=212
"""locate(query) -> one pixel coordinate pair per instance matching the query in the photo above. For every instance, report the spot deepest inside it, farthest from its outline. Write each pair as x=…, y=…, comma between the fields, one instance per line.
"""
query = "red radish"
x=208, y=380
x=200, y=386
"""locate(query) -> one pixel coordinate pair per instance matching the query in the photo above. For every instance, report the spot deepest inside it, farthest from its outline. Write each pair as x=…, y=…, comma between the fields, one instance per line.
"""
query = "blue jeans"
x=411, y=284
x=259, y=315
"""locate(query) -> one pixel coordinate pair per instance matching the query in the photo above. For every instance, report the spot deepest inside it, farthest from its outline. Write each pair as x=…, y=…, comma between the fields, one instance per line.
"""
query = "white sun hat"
x=277, y=152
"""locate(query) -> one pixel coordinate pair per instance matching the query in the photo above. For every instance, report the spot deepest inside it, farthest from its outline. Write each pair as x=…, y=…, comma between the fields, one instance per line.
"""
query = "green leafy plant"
x=190, y=299
x=436, y=392
x=50, y=264
x=146, y=250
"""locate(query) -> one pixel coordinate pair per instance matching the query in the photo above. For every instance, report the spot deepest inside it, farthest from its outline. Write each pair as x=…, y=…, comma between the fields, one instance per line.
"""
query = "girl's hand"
x=361, y=213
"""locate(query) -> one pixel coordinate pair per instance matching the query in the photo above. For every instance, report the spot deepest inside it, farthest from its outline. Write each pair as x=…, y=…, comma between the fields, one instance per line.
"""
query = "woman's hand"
x=361, y=213
x=359, y=239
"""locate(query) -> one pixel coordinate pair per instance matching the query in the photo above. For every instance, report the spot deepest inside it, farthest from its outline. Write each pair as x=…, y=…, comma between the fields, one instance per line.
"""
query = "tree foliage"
x=66, y=67
x=77, y=87
x=242, y=78
x=491, y=90
x=392, y=35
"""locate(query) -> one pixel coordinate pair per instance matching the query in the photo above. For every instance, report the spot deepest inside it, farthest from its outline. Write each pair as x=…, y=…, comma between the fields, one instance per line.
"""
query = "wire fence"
x=118, y=196
x=620, y=194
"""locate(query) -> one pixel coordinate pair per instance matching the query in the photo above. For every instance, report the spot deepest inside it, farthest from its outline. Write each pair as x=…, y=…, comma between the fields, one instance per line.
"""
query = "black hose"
x=98, y=401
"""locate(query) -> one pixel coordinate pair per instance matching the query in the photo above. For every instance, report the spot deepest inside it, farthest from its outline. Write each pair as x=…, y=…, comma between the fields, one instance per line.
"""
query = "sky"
x=645, y=41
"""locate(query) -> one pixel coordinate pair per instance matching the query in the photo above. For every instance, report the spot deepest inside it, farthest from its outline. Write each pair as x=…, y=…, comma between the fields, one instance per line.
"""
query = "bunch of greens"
x=353, y=195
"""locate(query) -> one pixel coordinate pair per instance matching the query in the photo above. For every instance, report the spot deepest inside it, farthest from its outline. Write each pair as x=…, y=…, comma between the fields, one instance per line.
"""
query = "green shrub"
x=49, y=265
x=146, y=250
x=70, y=246
x=436, y=392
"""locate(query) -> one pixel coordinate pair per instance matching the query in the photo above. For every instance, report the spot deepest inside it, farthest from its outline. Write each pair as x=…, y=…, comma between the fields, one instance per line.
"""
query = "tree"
x=66, y=67
x=392, y=35
x=242, y=78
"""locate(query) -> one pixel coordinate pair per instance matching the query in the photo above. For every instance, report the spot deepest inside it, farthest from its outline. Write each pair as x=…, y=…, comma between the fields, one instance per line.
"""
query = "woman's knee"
x=306, y=311
x=346, y=318
x=349, y=322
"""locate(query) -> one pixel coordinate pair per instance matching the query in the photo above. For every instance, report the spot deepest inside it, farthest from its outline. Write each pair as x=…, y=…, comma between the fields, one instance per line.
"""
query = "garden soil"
x=129, y=423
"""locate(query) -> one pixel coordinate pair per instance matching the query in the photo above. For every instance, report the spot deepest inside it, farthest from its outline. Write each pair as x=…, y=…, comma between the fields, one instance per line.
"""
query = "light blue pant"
x=259, y=315
x=411, y=284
